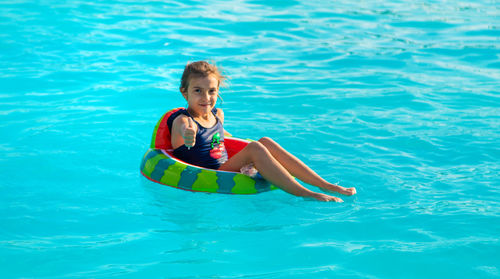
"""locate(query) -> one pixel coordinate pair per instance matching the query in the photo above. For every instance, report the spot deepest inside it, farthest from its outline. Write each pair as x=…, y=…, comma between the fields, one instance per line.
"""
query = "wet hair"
x=200, y=69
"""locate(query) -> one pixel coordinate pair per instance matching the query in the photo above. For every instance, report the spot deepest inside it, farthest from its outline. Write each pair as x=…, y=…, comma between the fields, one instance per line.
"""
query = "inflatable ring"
x=160, y=166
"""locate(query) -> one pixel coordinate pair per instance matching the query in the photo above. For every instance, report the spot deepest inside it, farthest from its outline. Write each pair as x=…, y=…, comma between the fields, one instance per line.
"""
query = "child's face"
x=202, y=93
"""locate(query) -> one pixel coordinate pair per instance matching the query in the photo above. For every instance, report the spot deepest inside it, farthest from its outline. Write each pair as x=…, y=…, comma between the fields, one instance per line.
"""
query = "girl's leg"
x=271, y=170
x=300, y=170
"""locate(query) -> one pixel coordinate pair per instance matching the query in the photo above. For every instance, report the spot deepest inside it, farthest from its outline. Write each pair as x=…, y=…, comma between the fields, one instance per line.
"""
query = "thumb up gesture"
x=190, y=133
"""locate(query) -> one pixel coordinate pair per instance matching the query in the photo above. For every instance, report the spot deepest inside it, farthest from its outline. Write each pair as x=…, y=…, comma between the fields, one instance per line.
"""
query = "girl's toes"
x=350, y=191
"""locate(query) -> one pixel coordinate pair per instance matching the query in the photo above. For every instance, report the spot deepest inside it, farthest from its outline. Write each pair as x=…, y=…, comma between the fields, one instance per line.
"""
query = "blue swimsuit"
x=208, y=151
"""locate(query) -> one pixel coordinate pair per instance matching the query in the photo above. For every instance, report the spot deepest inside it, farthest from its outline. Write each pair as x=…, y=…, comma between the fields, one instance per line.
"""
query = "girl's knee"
x=266, y=141
x=257, y=147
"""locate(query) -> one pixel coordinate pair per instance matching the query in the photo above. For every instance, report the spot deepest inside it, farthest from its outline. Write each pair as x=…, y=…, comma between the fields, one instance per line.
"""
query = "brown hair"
x=200, y=69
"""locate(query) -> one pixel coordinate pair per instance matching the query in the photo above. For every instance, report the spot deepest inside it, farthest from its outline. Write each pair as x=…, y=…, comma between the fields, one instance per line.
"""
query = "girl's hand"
x=190, y=134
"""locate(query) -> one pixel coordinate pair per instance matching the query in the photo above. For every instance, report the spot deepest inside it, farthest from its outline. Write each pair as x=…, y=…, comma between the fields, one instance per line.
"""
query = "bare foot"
x=341, y=190
x=326, y=198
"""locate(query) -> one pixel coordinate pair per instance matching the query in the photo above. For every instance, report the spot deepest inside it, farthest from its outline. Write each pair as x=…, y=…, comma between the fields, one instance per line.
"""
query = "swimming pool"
x=398, y=99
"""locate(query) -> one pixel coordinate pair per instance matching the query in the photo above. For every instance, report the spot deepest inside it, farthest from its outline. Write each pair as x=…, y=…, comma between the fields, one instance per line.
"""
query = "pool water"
x=400, y=100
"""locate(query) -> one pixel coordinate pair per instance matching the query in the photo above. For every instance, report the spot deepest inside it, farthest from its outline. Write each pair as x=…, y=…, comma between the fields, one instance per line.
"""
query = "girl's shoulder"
x=178, y=119
x=220, y=114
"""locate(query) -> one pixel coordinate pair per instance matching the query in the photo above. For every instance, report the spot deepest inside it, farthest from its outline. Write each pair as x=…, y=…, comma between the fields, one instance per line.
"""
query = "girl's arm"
x=220, y=114
x=183, y=132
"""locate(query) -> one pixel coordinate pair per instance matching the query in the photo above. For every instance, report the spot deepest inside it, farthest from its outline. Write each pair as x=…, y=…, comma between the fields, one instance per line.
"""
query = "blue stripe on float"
x=188, y=177
x=150, y=154
x=262, y=185
x=160, y=168
x=226, y=182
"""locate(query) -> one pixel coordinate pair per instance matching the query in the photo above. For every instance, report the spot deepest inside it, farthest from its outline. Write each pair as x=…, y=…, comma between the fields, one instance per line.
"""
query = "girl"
x=198, y=138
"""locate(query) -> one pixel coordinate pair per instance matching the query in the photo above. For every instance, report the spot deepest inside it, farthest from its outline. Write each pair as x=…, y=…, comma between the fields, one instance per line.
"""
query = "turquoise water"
x=400, y=100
